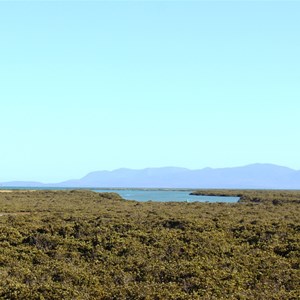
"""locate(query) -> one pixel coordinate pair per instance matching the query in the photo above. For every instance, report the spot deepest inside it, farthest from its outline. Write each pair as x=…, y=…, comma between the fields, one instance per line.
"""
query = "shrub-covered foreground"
x=84, y=245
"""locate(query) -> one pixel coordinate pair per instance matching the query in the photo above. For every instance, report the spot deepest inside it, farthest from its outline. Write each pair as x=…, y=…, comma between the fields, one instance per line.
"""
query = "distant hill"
x=255, y=176
x=22, y=184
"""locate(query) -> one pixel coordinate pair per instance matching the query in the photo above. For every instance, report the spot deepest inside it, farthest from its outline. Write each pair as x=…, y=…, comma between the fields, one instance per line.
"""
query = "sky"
x=101, y=85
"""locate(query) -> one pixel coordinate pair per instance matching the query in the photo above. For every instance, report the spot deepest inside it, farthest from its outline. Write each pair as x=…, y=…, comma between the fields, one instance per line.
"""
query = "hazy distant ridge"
x=263, y=176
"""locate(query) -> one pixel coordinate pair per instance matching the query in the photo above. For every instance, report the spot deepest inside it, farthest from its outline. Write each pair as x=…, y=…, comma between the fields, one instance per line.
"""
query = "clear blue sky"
x=88, y=86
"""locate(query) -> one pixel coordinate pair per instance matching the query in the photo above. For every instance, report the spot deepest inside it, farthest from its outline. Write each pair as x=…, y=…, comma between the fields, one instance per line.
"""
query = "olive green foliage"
x=256, y=196
x=85, y=245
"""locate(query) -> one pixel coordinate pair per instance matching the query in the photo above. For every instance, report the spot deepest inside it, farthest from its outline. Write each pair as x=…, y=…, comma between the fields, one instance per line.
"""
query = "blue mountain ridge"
x=254, y=176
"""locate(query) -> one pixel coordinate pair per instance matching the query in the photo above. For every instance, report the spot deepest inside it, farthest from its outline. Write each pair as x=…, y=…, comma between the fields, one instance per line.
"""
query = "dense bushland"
x=84, y=245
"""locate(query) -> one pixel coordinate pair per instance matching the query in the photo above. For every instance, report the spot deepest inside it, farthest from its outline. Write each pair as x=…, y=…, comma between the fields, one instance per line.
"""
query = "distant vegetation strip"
x=254, y=196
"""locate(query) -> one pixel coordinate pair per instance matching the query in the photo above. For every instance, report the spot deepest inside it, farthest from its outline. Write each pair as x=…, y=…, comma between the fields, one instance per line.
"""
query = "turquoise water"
x=144, y=195
x=166, y=196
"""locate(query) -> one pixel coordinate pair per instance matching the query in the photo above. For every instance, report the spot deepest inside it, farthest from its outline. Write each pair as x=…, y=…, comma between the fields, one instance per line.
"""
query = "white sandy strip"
x=10, y=191
x=14, y=214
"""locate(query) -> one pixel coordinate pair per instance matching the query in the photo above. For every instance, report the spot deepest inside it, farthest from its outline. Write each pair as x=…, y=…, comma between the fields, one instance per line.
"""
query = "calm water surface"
x=144, y=195
x=166, y=196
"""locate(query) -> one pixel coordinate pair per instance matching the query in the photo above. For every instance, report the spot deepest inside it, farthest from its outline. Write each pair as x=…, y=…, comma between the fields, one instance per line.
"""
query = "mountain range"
x=255, y=176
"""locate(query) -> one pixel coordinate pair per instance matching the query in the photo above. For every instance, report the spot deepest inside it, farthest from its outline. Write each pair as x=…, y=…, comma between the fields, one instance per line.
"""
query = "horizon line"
x=141, y=169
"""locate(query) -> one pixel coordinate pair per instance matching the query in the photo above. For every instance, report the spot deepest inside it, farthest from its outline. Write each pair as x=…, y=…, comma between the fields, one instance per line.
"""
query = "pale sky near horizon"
x=101, y=85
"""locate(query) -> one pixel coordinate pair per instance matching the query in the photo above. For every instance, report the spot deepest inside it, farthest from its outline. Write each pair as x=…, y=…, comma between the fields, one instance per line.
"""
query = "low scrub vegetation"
x=85, y=245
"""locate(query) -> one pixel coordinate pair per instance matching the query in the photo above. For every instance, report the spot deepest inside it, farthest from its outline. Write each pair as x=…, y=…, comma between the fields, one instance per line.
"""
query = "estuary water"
x=165, y=195
x=143, y=195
